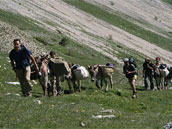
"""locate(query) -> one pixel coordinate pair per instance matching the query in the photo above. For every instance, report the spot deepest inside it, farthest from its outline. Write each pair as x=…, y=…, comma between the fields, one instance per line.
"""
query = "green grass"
x=118, y=21
x=21, y=22
x=151, y=110
x=168, y=1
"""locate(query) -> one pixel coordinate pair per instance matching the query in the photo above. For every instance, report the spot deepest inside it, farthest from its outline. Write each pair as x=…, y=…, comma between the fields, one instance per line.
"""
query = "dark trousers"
x=147, y=78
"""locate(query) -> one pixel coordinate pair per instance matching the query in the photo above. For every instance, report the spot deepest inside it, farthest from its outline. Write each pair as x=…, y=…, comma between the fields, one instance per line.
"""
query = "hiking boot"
x=134, y=96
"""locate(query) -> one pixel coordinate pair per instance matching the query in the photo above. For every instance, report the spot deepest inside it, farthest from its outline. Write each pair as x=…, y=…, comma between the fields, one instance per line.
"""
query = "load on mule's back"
x=80, y=72
x=101, y=72
x=107, y=71
x=59, y=66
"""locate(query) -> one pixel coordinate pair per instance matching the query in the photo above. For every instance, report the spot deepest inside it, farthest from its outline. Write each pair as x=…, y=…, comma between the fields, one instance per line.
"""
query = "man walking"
x=148, y=72
x=19, y=57
x=130, y=72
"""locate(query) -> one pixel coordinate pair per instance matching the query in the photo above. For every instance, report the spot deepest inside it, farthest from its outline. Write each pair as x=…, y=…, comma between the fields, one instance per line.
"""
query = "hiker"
x=157, y=75
x=130, y=72
x=19, y=57
x=148, y=74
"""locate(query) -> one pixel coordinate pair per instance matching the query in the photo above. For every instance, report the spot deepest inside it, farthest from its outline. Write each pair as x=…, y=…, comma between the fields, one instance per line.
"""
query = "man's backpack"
x=25, y=51
x=131, y=61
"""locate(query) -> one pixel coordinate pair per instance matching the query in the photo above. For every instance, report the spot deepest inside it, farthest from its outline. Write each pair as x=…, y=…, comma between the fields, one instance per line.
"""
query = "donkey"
x=44, y=71
x=101, y=72
x=77, y=74
x=160, y=76
x=169, y=77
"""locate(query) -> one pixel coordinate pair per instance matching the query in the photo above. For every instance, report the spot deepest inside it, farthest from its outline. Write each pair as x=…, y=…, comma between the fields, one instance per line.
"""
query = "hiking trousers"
x=148, y=77
x=24, y=78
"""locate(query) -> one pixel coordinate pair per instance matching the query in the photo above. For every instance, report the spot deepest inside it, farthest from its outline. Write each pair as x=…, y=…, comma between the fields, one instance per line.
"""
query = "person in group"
x=130, y=72
x=157, y=72
x=148, y=74
x=19, y=57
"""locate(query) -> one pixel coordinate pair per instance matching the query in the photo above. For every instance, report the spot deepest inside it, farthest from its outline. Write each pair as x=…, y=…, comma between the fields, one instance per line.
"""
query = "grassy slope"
x=122, y=23
x=150, y=110
x=168, y=1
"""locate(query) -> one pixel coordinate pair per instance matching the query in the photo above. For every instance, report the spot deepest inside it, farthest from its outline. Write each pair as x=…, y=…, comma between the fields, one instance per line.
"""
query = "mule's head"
x=40, y=60
x=44, y=58
x=93, y=70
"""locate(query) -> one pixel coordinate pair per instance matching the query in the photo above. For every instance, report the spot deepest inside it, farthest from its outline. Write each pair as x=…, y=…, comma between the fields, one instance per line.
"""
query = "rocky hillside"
x=59, y=16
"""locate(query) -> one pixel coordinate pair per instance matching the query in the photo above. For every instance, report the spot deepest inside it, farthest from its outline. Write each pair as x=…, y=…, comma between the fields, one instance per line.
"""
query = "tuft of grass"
x=41, y=40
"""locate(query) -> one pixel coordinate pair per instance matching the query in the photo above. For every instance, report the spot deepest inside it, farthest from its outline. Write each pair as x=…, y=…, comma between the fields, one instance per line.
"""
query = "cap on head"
x=157, y=58
x=126, y=59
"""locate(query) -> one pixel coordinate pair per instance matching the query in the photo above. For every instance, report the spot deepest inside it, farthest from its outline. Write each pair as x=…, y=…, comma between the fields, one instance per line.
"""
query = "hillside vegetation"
x=151, y=110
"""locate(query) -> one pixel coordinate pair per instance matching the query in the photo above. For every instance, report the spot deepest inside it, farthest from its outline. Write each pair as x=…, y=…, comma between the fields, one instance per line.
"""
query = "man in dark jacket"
x=148, y=71
x=19, y=57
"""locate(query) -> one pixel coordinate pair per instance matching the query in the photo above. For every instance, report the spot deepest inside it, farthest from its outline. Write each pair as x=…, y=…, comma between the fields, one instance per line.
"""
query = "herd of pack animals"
x=98, y=74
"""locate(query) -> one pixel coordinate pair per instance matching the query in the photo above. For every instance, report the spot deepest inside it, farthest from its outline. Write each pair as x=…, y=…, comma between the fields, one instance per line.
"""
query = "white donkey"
x=161, y=75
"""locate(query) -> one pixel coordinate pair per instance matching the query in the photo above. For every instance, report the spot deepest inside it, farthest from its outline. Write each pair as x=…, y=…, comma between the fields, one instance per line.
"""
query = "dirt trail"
x=83, y=27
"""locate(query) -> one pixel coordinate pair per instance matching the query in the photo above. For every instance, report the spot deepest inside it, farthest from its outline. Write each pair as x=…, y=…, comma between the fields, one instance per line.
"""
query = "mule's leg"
x=79, y=85
x=111, y=81
x=166, y=83
x=74, y=85
x=46, y=84
x=162, y=82
x=49, y=89
x=106, y=85
x=101, y=83
x=43, y=86
x=97, y=83
x=69, y=83
x=58, y=85
x=53, y=85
